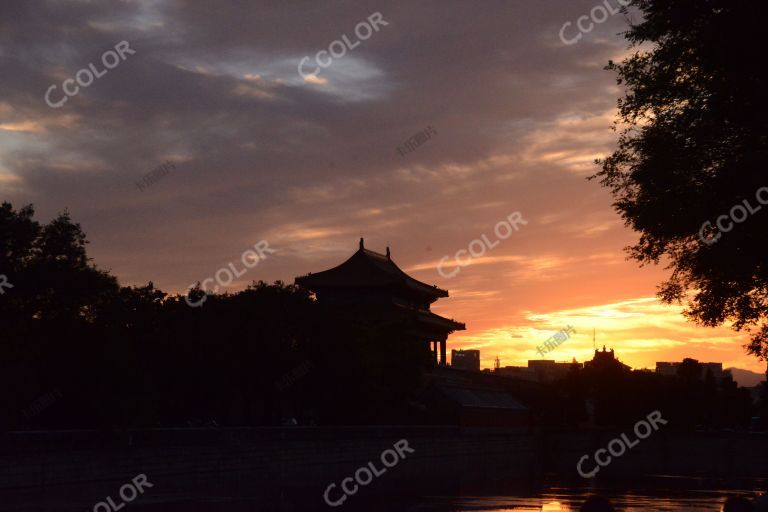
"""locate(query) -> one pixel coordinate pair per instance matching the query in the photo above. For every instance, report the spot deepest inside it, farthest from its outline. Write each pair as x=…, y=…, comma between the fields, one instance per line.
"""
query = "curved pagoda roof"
x=367, y=268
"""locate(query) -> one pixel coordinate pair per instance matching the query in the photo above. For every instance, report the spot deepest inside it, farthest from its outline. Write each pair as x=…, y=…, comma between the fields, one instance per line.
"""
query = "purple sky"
x=311, y=164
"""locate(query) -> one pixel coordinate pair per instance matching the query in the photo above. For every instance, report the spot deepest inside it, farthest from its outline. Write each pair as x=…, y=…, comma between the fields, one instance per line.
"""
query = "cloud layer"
x=312, y=164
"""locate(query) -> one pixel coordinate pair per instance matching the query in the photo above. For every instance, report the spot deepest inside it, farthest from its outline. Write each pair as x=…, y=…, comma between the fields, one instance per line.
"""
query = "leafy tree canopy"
x=693, y=150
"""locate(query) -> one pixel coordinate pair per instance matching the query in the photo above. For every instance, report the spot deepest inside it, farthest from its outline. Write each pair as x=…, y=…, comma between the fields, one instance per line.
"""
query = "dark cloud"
x=260, y=153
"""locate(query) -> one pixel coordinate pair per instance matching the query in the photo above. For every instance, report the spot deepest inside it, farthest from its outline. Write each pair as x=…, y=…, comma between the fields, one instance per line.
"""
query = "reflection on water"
x=657, y=494
x=656, y=499
x=556, y=501
x=566, y=501
x=662, y=493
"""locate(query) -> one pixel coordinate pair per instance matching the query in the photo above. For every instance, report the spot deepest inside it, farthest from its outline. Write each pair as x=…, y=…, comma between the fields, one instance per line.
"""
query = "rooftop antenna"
x=593, y=339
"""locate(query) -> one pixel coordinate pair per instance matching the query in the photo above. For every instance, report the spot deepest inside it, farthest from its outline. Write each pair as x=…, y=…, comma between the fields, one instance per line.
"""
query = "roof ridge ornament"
x=388, y=255
x=361, y=244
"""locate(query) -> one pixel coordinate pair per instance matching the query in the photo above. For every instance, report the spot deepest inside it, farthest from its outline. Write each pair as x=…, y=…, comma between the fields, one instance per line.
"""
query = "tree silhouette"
x=693, y=147
x=133, y=356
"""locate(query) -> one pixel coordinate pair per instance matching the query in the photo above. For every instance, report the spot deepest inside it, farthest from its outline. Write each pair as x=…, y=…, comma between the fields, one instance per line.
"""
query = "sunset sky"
x=310, y=164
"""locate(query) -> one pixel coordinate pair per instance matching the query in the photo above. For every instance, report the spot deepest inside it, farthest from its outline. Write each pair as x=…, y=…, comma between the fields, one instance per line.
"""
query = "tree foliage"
x=134, y=356
x=693, y=146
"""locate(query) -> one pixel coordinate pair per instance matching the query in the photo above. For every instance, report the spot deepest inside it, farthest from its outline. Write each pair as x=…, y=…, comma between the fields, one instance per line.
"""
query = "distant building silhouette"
x=670, y=369
x=371, y=285
x=548, y=370
x=518, y=372
x=466, y=360
x=606, y=360
x=540, y=370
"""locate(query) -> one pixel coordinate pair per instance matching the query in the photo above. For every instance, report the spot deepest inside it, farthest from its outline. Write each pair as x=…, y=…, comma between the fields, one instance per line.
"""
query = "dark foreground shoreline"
x=74, y=470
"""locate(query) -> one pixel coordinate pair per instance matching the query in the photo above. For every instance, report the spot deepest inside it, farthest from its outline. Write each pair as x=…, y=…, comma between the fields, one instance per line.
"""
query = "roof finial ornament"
x=388, y=256
x=361, y=244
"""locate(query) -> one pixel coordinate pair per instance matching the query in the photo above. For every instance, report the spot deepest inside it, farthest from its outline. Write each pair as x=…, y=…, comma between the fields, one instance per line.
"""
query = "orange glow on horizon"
x=642, y=331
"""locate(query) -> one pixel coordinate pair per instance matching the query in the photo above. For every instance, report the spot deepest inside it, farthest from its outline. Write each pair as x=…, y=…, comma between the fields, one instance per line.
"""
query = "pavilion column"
x=434, y=350
x=442, y=353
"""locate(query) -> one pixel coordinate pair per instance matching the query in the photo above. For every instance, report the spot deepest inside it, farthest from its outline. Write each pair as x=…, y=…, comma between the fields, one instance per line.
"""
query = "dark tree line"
x=692, y=399
x=689, y=172
x=77, y=350
x=122, y=356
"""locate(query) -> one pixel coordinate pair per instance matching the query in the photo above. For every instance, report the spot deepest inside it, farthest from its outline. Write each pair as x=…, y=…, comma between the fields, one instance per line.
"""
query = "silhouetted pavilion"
x=371, y=281
x=606, y=360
